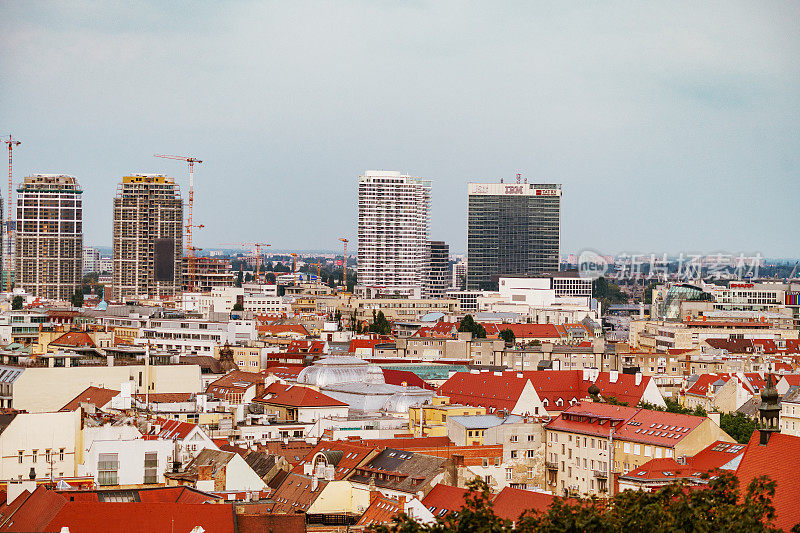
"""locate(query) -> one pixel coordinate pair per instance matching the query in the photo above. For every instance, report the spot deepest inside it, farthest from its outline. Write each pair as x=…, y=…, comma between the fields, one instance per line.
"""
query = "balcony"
x=551, y=466
x=600, y=474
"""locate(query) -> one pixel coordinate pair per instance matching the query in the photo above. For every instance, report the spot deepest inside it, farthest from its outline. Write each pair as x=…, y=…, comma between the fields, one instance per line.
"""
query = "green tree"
x=648, y=292
x=379, y=324
x=508, y=336
x=608, y=293
x=237, y=307
x=16, y=302
x=720, y=507
x=77, y=298
x=239, y=279
x=469, y=324
x=674, y=407
x=738, y=426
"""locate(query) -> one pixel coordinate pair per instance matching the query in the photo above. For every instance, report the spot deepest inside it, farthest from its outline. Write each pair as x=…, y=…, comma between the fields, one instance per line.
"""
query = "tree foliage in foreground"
x=676, y=507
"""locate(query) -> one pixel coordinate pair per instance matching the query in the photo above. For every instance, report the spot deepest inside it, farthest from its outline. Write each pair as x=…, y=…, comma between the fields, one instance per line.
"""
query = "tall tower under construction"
x=49, y=236
x=148, y=237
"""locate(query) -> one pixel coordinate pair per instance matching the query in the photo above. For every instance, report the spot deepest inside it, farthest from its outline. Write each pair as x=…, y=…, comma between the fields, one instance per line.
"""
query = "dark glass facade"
x=512, y=230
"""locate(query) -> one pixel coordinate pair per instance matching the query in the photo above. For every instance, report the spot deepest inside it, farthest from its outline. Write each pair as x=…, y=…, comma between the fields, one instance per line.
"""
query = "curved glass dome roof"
x=340, y=369
x=671, y=309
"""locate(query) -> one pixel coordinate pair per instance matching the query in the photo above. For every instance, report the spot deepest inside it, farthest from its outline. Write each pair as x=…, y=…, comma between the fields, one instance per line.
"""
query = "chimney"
x=315, y=484
x=613, y=375
x=638, y=378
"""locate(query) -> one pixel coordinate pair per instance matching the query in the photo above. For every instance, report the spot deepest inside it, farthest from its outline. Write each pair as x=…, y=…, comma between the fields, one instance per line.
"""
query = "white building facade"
x=393, y=216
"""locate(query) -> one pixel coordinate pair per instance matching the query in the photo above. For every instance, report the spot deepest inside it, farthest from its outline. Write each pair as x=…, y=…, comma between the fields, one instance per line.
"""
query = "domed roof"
x=340, y=369
x=399, y=402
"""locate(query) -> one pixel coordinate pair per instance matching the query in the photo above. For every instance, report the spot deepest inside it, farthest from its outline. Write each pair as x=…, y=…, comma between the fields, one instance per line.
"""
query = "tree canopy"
x=468, y=324
x=676, y=507
x=508, y=336
x=379, y=324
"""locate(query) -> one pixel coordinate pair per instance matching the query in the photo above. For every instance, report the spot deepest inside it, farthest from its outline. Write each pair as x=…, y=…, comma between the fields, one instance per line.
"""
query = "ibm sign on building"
x=513, y=229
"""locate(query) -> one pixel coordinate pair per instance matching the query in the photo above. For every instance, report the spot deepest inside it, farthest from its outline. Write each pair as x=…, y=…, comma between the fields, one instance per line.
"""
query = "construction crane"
x=12, y=143
x=190, y=222
x=192, y=273
x=344, y=263
x=256, y=250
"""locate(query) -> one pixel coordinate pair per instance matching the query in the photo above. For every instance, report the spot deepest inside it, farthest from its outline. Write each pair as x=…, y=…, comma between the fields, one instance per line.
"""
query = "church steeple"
x=768, y=412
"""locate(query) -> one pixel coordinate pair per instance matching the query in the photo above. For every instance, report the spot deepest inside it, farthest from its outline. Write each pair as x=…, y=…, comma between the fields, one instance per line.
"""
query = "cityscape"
x=418, y=343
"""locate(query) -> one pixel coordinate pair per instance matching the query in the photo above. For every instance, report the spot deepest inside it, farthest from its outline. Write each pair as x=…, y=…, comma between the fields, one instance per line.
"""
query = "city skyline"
x=650, y=114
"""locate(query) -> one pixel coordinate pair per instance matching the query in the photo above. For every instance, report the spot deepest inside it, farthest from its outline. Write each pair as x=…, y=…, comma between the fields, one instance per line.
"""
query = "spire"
x=768, y=411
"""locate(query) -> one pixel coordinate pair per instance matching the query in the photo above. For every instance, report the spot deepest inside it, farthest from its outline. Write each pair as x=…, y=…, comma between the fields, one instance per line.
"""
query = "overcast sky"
x=672, y=127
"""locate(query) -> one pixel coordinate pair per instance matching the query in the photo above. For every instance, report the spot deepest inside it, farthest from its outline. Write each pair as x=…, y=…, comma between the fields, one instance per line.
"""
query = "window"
x=19, y=456
x=513, y=454
x=47, y=455
x=107, y=467
x=530, y=438
x=150, y=467
x=509, y=474
x=513, y=438
x=530, y=454
x=530, y=472
x=61, y=454
x=34, y=455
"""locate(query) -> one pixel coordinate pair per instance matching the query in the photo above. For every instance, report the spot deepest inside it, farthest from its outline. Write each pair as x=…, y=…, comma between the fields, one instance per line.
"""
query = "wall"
x=65, y=383
x=41, y=431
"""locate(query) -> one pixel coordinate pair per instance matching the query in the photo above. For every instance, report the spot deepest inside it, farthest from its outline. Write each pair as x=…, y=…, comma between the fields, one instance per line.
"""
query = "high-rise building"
x=91, y=260
x=513, y=229
x=49, y=236
x=393, y=212
x=439, y=277
x=209, y=273
x=148, y=237
x=459, y=276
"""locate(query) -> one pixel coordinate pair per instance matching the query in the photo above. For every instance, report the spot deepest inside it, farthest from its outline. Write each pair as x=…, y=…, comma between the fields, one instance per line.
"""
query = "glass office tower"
x=513, y=229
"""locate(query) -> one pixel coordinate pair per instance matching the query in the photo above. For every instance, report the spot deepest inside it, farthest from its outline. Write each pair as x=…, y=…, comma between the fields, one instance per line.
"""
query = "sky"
x=673, y=127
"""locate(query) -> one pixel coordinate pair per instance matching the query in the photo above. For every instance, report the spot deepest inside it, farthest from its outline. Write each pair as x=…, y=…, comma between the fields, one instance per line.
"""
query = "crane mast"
x=12, y=143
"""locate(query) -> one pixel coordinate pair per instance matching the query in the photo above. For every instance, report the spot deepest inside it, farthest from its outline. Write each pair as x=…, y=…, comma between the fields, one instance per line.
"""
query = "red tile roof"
x=356, y=344
x=405, y=378
x=382, y=510
x=74, y=339
x=297, y=396
x=551, y=385
x=295, y=495
x=532, y=331
x=780, y=460
x=97, y=396
x=352, y=455
x=443, y=499
x=280, y=329
x=484, y=389
x=511, y=503
x=288, y=373
x=715, y=455
x=632, y=424
x=33, y=511
x=171, y=429
x=234, y=382
x=306, y=346
x=135, y=517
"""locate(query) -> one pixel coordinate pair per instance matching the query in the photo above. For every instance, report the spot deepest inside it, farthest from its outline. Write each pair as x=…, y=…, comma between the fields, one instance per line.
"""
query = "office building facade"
x=91, y=260
x=49, y=236
x=439, y=276
x=513, y=229
x=148, y=238
x=393, y=215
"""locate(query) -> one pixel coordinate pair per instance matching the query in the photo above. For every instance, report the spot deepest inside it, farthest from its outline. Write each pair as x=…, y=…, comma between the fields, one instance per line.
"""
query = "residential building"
x=49, y=236
x=47, y=443
x=431, y=420
x=91, y=260
x=590, y=442
x=148, y=237
x=790, y=413
x=513, y=229
x=294, y=403
x=393, y=214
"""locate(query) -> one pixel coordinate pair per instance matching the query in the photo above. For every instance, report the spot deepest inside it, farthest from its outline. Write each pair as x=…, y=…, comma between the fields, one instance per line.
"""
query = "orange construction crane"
x=189, y=224
x=192, y=273
x=344, y=263
x=10, y=210
x=256, y=250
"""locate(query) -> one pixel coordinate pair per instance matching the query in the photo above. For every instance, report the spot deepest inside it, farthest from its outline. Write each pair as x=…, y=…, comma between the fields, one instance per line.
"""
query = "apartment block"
x=148, y=237
x=49, y=237
x=393, y=213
